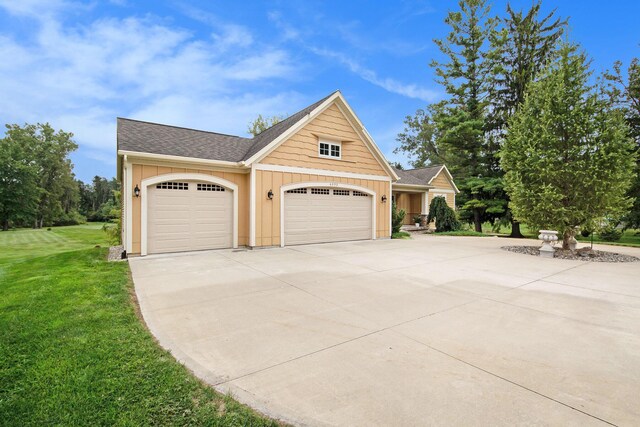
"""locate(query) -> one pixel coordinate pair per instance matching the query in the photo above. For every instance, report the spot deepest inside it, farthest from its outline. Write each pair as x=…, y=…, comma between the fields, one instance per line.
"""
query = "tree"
x=421, y=138
x=567, y=151
x=397, y=217
x=461, y=119
x=625, y=94
x=522, y=47
x=444, y=216
x=260, y=124
x=48, y=151
x=19, y=191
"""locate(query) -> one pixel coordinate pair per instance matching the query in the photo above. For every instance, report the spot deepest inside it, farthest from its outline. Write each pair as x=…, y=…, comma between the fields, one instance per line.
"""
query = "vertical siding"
x=268, y=211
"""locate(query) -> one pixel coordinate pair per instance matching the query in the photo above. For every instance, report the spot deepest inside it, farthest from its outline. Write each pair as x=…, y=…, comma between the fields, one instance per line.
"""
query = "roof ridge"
x=424, y=167
x=300, y=110
x=182, y=127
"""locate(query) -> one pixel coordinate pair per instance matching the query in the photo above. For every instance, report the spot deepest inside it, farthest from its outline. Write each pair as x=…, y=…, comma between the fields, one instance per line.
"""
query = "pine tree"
x=522, y=47
x=567, y=151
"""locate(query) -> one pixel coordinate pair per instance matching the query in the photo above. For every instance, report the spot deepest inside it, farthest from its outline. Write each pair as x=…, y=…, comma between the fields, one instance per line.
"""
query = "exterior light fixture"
x=384, y=198
x=136, y=191
x=270, y=195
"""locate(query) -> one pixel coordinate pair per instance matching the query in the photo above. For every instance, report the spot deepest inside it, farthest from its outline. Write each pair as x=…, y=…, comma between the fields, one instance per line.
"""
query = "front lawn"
x=73, y=351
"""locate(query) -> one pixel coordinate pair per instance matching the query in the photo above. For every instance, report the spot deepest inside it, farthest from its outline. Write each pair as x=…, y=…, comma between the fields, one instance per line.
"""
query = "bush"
x=70, y=218
x=444, y=216
x=397, y=217
x=610, y=234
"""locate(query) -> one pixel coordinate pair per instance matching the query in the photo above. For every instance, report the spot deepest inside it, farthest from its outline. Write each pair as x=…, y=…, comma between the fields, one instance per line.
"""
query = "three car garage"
x=187, y=215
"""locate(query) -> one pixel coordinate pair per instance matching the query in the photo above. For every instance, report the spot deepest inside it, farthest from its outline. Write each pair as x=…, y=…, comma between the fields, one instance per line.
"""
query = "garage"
x=189, y=215
x=318, y=215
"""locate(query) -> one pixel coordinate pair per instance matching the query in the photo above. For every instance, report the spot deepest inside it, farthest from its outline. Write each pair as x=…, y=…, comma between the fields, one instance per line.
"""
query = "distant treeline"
x=37, y=184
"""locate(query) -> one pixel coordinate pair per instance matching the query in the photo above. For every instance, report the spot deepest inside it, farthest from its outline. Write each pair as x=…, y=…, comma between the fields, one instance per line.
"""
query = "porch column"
x=425, y=203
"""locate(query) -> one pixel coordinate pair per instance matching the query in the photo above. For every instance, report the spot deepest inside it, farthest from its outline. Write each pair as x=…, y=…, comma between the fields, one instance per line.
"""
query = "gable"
x=301, y=149
x=441, y=181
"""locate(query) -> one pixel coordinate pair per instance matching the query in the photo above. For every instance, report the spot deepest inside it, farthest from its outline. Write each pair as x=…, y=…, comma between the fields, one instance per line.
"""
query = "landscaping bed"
x=584, y=254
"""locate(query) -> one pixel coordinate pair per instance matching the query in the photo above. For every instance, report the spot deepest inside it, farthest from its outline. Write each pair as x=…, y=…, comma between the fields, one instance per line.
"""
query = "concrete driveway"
x=430, y=331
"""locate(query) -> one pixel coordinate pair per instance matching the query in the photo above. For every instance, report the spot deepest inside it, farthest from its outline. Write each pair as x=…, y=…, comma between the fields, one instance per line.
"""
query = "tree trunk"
x=41, y=222
x=476, y=220
x=566, y=237
x=515, y=230
x=5, y=225
x=35, y=223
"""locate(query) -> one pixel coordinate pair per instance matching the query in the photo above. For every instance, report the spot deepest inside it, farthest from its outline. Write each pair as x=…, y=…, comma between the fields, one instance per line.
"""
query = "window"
x=340, y=192
x=298, y=191
x=319, y=191
x=330, y=149
x=360, y=194
x=209, y=187
x=173, y=186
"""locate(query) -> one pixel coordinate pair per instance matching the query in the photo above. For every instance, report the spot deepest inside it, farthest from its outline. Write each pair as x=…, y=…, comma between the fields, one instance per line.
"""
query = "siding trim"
x=284, y=188
x=183, y=176
x=335, y=174
x=252, y=206
x=180, y=159
x=128, y=188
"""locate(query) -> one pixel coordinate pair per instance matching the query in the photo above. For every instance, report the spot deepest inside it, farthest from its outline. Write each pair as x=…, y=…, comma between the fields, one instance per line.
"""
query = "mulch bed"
x=582, y=254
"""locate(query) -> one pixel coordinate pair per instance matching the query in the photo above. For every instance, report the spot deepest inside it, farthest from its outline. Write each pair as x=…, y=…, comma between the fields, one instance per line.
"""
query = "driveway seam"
x=504, y=379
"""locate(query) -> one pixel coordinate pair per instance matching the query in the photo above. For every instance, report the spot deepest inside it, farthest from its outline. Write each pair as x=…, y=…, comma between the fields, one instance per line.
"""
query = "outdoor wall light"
x=270, y=195
x=384, y=198
x=136, y=191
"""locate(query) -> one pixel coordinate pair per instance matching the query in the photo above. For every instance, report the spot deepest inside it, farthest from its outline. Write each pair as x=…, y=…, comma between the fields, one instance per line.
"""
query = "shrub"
x=610, y=233
x=397, y=217
x=444, y=216
x=417, y=219
x=70, y=218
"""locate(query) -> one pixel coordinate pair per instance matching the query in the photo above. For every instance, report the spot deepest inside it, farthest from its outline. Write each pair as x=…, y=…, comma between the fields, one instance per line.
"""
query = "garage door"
x=187, y=216
x=315, y=215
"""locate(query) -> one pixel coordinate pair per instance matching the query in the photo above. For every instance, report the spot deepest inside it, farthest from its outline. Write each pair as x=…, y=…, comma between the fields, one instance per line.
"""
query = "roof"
x=146, y=137
x=420, y=176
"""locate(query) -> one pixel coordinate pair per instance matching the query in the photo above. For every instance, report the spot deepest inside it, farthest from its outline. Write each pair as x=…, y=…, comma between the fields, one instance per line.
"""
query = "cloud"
x=80, y=75
x=388, y=84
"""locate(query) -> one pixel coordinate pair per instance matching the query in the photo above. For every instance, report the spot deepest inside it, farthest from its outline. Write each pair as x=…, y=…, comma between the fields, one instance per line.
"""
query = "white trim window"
x=329, y=149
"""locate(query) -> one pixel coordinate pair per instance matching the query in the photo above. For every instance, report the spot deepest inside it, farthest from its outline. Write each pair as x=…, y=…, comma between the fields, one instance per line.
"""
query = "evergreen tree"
x=625, y=94
x=567, y=151
x=522, y=47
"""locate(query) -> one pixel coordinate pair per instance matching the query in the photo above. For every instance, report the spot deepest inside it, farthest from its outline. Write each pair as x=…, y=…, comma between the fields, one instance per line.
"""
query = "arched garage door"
x=188, y=215
x=317, y=215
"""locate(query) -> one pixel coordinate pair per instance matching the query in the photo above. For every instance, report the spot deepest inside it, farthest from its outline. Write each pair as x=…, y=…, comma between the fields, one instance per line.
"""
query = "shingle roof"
x=420, y=176
x=146, y=137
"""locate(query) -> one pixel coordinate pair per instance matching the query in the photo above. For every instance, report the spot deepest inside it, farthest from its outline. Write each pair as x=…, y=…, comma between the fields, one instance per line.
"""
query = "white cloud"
x=388, y=84
x=79, y=77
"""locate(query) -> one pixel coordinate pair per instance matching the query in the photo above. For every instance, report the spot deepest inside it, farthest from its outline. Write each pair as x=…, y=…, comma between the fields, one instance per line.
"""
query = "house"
x=416, y=188
x=316, y=176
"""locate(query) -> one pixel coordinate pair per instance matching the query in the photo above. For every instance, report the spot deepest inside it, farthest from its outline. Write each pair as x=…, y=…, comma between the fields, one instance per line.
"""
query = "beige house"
x=317, y=176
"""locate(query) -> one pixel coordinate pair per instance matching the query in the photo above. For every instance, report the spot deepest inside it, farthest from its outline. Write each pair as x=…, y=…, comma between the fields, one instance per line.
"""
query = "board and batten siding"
x=268, y=211
x=144, y=171
x=301, y=149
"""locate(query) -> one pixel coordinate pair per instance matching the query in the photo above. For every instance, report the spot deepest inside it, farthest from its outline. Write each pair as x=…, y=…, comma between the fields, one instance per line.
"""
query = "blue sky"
x=216, y=65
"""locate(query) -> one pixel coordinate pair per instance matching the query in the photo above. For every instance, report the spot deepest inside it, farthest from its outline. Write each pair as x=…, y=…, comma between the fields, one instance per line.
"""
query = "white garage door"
x=187, y=216
x=315, y=215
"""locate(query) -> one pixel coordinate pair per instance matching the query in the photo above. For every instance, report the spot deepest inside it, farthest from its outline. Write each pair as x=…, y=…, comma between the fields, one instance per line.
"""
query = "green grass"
x=74, y=352
x=629, y=237
x=401, y=235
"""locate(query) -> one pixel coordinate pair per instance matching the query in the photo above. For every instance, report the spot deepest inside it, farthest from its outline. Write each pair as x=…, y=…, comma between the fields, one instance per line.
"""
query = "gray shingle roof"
x=146, y=137
x=420, y=176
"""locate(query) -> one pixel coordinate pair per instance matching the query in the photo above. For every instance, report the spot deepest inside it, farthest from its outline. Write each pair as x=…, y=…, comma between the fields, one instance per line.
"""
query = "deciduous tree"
x=260, y=124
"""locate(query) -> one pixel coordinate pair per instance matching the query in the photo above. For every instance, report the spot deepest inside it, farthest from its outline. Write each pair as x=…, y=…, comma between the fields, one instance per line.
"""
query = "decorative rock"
x=548, y=237
x=584, y=254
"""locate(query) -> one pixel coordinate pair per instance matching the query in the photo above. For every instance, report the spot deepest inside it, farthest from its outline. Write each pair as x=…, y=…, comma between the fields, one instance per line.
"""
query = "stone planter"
x=549, y=238
x=573, y=243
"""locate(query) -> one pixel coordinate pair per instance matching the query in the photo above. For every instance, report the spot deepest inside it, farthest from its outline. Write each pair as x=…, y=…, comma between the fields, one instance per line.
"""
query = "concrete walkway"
x=431, y=331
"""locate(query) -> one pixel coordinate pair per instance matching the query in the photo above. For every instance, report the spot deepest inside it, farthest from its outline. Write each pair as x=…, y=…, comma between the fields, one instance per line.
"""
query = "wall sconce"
x=270, y=195
x=384, y=198
x=136, y=191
